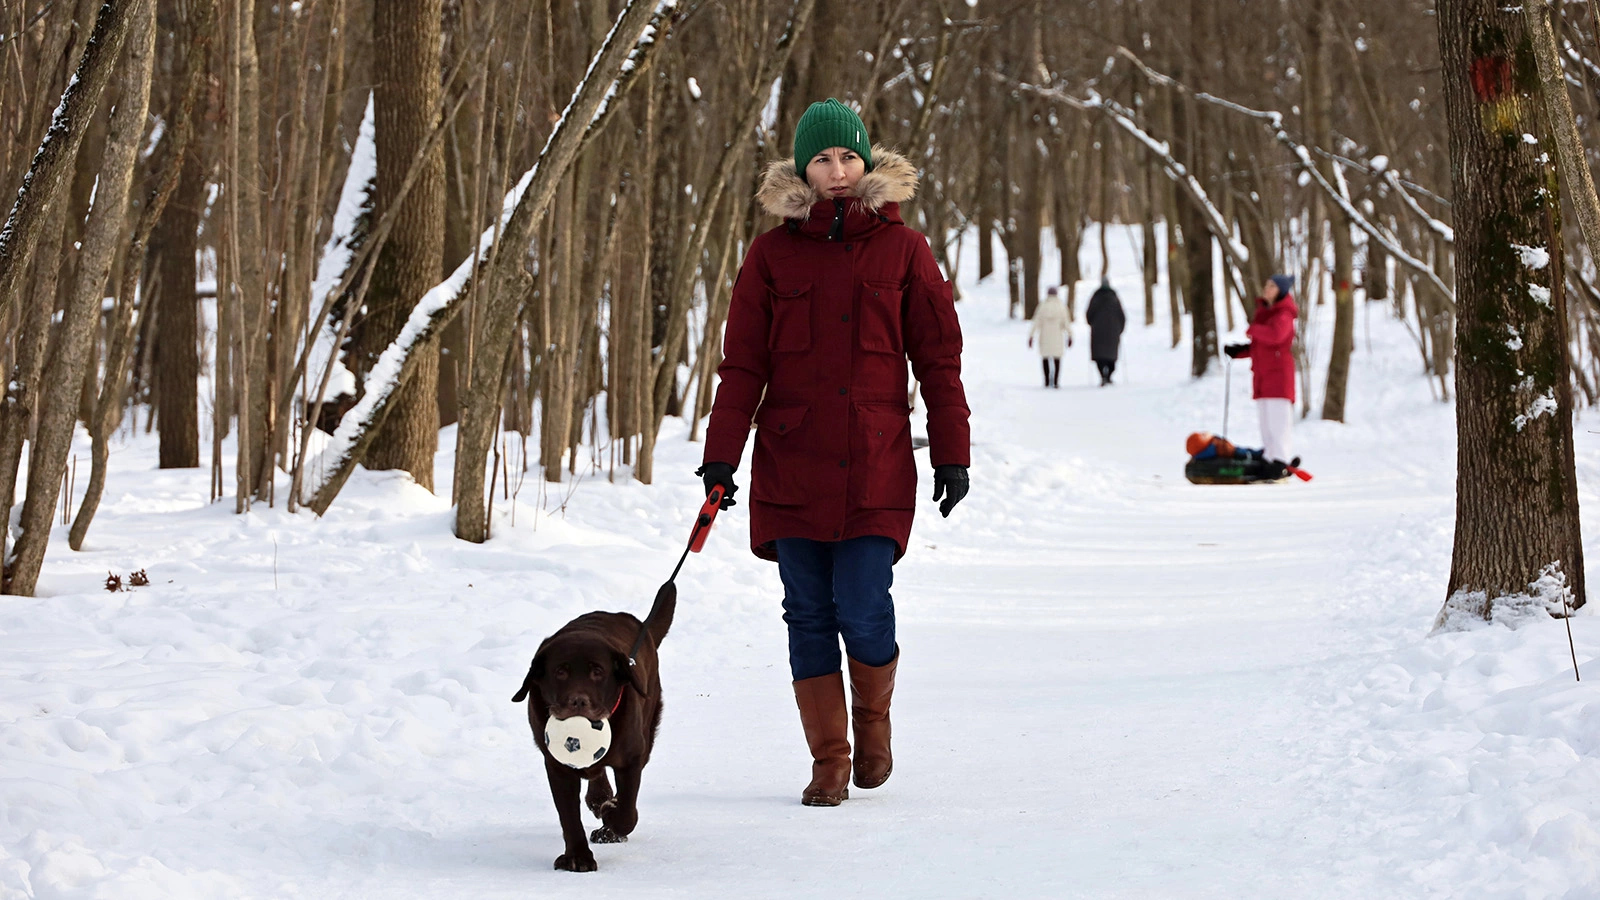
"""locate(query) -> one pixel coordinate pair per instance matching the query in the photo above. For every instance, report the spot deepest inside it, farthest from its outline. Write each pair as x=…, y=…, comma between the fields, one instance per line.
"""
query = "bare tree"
x=507, y=279
x=107, y=411
x=1320, y=118
x=46, y=178
x=69, y=357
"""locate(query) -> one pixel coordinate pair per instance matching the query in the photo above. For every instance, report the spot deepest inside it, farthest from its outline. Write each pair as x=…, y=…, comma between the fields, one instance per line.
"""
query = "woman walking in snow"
x=1106, y=321
x=826, y=310
x=1054, y=333
x=1271, y=358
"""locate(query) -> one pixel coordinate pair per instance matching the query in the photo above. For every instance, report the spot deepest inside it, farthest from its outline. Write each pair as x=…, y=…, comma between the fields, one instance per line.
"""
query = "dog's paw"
x=567, y=863
x=604, y=835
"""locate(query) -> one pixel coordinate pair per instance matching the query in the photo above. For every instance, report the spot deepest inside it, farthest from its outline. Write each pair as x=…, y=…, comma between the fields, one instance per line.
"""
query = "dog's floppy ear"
x=535, y=672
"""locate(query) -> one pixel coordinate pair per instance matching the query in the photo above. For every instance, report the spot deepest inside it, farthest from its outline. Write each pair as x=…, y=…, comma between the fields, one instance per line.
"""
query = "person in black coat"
x=1106, y=321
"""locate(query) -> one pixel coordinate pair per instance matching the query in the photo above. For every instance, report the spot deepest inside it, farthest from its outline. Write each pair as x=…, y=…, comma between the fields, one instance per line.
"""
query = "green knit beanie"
x=829, y=123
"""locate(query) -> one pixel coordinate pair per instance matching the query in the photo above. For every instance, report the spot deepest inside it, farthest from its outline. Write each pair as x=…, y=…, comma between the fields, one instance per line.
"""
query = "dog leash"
x=697, y=541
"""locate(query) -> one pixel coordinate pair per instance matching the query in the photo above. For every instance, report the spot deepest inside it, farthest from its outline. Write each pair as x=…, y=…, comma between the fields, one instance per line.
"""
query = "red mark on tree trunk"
x=1491, y=78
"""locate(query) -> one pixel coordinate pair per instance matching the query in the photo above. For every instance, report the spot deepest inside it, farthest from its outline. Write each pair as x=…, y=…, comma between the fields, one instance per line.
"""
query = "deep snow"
x=1114, y=684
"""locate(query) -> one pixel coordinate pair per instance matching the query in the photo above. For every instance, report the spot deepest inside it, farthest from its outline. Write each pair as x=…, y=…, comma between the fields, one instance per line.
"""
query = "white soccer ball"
x=577, y=741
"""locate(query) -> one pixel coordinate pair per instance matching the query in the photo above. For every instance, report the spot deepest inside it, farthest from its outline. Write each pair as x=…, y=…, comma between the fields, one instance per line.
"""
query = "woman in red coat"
x=1271, y=356
x=827, y=309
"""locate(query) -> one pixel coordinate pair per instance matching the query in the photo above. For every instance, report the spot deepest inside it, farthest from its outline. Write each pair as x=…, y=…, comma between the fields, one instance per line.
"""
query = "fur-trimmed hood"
x=783, y=193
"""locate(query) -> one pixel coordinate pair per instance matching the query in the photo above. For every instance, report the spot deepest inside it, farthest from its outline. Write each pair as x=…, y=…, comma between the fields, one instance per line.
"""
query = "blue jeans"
x=833, y=589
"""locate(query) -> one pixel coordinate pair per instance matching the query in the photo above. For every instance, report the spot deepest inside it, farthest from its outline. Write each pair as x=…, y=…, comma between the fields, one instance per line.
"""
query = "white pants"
x=1277, y=420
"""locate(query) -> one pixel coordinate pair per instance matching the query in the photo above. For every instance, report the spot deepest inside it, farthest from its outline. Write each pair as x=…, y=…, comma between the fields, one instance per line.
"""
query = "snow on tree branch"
x=431, y=314
x=1440, y=228
x=1235, y=252
x=48, y=172
x=1274, y=121
x=517, y=218
x=355, y=199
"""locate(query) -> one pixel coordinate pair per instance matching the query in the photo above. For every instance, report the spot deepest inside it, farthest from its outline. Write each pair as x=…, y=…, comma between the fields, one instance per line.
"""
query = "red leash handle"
x=702, y=522
x=1301, y=474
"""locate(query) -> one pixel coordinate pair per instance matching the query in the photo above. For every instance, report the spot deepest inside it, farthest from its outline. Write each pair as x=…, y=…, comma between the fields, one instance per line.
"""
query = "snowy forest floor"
x=1114, y=683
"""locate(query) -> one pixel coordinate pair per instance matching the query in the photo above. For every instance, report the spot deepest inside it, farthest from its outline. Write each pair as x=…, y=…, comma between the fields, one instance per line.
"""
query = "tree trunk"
x=32, y=338
x=246, y=284
x=1320, y=35
x=176, y=331
x=1067, y=216
x=1030, y=215
x=1375, y=277
x=177, y=385
x=1148, y=259
x=1197, y=290
x=406, y=67
x=631, y=290
x=719, y=293
x=1176, y=303
x=1517, y=529
x=985, y=223
x=462, y=218
x=19, y=413
x=1444, y=319
x=69, y=357
x=558, y=356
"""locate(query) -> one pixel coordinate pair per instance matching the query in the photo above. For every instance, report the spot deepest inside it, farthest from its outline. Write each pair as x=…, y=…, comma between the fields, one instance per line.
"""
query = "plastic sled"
x=1227, y=470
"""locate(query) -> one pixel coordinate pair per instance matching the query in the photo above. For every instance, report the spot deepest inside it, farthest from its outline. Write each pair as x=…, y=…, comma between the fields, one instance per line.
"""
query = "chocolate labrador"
x=584, y=670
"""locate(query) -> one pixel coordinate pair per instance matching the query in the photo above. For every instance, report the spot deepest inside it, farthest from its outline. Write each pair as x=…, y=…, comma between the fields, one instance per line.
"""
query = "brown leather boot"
x=871, y=687
x=822, y=714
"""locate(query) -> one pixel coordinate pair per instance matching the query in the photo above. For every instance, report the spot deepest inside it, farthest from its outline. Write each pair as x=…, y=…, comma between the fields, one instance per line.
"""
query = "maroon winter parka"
x=826, y=310
x=1271, y=334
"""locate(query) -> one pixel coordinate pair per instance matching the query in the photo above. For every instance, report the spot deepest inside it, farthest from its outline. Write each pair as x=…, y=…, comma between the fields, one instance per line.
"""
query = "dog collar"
x=618, y=705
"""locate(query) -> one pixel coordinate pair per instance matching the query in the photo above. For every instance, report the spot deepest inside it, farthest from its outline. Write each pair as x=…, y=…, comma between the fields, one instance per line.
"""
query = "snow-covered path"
x=1114, y=684
x=1150, y=638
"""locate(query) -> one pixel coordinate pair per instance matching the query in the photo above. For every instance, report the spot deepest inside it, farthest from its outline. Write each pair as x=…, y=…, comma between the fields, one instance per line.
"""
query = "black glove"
x=950, y=482
x=1235, y=351
x=715, y=473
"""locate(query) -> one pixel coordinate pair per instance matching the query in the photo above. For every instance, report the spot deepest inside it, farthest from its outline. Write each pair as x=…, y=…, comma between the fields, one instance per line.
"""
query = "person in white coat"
x=1053, y=333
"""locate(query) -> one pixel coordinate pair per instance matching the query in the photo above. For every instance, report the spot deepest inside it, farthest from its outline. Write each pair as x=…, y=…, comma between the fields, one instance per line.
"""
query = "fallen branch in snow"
x=624, y=53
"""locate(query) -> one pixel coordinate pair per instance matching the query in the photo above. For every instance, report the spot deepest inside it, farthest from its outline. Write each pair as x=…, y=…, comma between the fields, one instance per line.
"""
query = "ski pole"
x=1227, y=393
